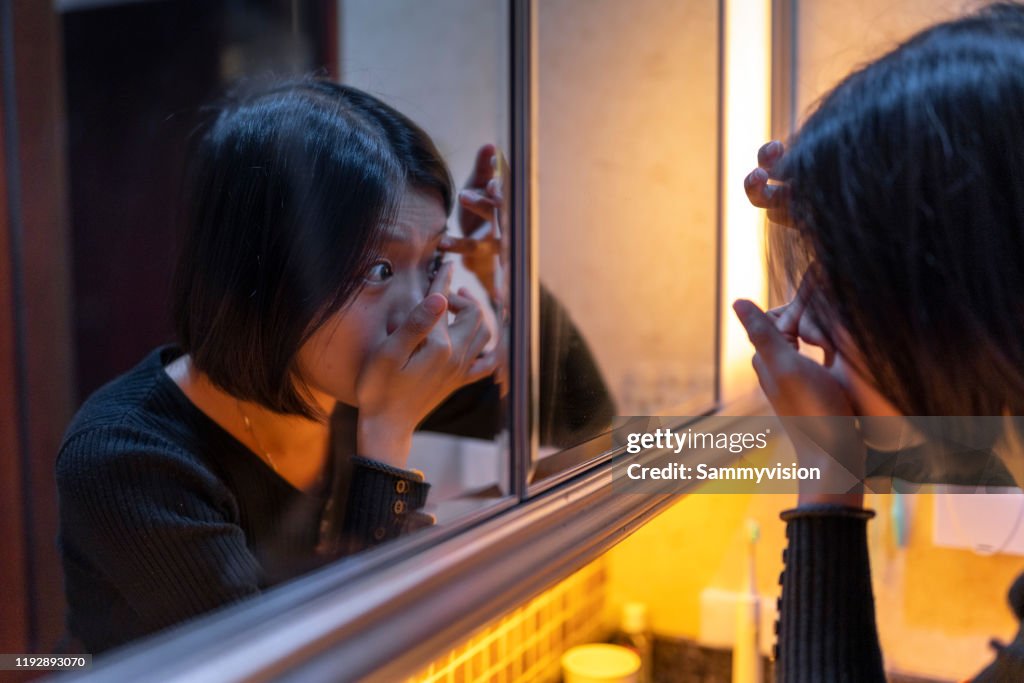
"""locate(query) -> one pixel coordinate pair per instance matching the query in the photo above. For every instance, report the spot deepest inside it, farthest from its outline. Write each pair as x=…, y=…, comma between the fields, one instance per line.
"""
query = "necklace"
x=248, y=427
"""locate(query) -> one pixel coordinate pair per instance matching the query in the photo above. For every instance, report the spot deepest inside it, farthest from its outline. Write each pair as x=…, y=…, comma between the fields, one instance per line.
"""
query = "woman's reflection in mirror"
x=316, y=330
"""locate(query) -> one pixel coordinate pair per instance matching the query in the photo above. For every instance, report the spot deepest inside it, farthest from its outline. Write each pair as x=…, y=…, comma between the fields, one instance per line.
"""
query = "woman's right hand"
x=483, y=220
x=814, y=407
x=418, y=366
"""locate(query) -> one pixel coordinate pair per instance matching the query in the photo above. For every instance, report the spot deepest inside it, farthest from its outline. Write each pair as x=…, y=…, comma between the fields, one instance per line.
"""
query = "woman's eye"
x=380, y=272
x=435, y=264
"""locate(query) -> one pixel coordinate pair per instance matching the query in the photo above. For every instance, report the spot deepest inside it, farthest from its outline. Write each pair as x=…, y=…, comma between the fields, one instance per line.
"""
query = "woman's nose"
x=406, y=299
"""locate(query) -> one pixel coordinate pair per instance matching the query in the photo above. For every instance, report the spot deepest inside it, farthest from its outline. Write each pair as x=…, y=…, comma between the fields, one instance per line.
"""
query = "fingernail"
x=435, y=304
x=774, y=148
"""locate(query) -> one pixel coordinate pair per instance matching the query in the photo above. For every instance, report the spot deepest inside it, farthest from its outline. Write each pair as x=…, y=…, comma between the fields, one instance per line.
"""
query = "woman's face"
x=331, y=360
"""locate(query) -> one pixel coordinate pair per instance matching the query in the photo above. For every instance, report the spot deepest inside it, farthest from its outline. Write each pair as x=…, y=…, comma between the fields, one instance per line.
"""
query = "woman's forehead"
x=421, y=218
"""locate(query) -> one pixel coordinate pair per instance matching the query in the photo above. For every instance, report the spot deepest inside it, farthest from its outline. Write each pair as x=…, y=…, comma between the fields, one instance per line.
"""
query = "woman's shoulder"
x=136, y=419
x=122, y=400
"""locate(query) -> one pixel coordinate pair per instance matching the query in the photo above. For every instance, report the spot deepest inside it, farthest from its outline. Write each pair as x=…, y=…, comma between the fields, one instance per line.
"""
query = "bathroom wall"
x=834, y=37
x=382, y=50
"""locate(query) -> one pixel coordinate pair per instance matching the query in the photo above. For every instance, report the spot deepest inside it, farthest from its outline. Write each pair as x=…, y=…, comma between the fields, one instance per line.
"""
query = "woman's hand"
x=812, y=404
x=848, y=365
x=793, y=383
x=484, y=250
x=810, y=398
x=761, y=193
x=419, y=365
x=797, y=324
x=482, y=216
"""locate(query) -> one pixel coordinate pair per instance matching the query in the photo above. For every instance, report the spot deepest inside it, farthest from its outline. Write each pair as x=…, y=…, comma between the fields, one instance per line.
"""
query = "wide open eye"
x=381, y=271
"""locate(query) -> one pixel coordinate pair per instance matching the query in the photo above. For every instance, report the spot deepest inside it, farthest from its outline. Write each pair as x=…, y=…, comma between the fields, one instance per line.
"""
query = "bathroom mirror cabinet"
x=610, y=120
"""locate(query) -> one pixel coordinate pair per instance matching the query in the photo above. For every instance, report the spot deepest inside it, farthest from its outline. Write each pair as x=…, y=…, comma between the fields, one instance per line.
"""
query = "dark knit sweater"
x=826, y=629
x=164, y=515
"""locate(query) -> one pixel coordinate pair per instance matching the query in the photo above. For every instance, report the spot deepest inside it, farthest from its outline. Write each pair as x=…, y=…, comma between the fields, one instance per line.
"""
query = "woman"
x=905, y=194
x=311, y=304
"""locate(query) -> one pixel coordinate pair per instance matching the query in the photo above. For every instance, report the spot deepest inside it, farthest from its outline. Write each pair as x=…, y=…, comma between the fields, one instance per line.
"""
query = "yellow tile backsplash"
x=527, y=643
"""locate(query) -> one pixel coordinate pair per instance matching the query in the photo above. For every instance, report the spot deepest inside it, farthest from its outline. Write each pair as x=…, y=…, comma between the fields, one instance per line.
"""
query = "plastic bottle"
x=746, y=656
x=635, y=633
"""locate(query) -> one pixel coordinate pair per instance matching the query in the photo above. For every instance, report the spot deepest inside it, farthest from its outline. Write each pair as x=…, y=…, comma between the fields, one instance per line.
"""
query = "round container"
x=600, y=663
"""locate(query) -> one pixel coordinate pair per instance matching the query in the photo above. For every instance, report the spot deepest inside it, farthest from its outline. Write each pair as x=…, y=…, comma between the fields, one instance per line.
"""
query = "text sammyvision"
x=734, y=442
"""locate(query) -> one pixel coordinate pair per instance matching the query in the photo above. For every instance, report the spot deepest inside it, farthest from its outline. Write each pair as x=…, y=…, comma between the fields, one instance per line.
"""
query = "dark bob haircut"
x=288, y=192
x=906, y=189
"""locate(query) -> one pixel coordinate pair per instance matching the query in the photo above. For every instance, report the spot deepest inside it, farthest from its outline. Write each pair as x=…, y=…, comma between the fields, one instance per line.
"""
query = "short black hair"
x=289, y=190
x=906, y=187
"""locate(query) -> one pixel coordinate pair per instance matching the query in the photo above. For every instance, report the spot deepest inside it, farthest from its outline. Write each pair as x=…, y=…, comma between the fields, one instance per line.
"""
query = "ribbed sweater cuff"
x=383, y=503
x=826, y=628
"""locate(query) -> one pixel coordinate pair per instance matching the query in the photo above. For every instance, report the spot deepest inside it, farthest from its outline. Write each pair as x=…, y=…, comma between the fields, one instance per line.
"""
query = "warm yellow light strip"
x=747, y=125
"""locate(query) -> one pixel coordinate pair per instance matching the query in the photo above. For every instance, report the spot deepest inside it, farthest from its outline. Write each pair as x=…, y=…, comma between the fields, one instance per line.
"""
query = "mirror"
x=627, y=123
x=445, y=65
x=182, y=484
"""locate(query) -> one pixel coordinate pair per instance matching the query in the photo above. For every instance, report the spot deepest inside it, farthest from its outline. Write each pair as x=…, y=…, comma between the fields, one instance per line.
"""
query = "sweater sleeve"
x=383, y=502
x=826, y=628
x=154, y=523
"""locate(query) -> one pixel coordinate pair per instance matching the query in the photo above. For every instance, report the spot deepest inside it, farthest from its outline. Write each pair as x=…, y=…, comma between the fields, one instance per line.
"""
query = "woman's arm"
x=140, y=516
x=826, y=628
x=382, y=503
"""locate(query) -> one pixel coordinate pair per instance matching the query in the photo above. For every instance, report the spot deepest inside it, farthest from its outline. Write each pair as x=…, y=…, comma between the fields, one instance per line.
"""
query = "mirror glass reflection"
x=627, y=205
x=285, y=343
